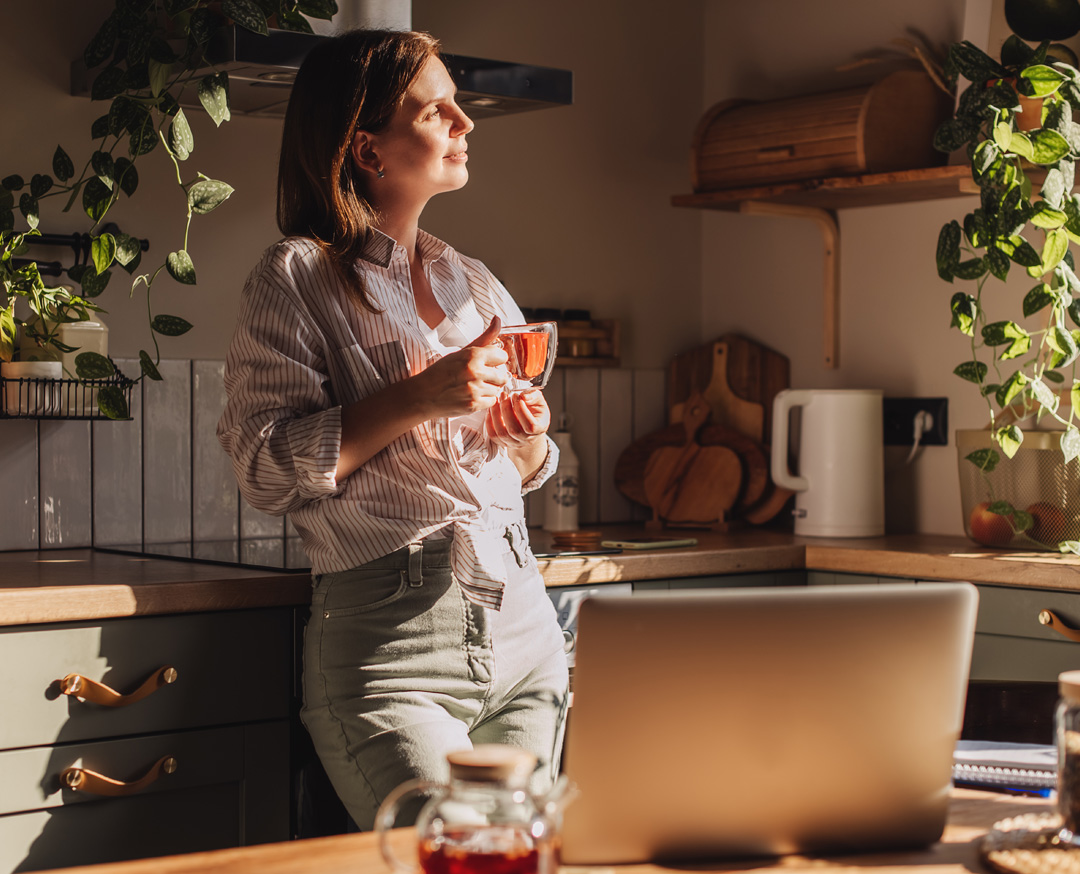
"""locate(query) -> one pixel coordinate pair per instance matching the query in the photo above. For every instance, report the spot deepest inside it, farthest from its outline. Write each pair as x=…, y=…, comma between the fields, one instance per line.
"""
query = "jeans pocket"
x=350, y=593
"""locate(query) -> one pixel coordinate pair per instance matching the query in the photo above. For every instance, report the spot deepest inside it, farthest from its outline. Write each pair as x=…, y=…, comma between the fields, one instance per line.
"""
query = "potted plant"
x=144, y=56
x=1023, y=360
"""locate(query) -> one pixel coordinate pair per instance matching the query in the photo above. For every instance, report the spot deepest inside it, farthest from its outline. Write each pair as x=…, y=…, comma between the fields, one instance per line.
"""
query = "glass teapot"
x=483, y=821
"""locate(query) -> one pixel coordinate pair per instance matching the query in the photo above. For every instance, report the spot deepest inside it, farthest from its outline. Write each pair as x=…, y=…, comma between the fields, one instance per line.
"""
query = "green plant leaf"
x=964, y=309
x=1044, y=80
x=62, y=166
x=1000, y=333
x=293, y=21
x=207, y=195
x=973, y=63
x=1001, y=508
x=101, y=46
x=1070, y=443
x=1045, y=216
x=182, y=142
x=973, y=268
x=247, y=14
x=142, y=136
x=984, y=459
x=214, y=96
x=28, y=206
x=103, y=251
x=100, y=128
x=126, y=175
x=1037, y=298
x=148, y=366
x=170, y=326
x=1054, y=249
x=1022, y=520
x=8, y=330
x=123, y=113
x=102, y=163
x=14, y=182
x=1053, y=376
x=1074, y=395
x=1061, y=341
x=1003, y=136
x=112, y=402
x=96, y=199
x=91, y=365
x=948, y=250
x=1044, y=395
x=94, y=283
x=159, y=76
x=1054, y=188
x=1009, y=439
x=998, y=262
x=1008, y=391
x=972, y=371
x=128, y=249
x=180, y=267
x=1025, y=255
x=1049, y=146
x=108, y=83
x=955, y=132
x=324, y=9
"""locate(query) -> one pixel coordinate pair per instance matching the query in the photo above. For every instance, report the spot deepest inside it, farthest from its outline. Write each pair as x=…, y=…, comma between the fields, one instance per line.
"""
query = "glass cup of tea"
x=531, y=351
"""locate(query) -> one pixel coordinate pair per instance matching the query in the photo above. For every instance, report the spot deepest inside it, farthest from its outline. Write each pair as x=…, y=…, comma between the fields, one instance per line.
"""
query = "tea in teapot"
x=483, y=821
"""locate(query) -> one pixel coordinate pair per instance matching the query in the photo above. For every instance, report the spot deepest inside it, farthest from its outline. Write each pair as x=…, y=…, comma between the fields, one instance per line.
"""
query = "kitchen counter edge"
x=85, y=584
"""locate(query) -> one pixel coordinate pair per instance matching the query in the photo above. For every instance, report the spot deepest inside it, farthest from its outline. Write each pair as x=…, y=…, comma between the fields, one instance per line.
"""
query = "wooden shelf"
x=842, y=192
x=604, y=337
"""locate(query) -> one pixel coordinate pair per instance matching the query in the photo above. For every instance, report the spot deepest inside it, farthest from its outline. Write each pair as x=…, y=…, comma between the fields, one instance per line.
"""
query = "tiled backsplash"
x=161, y=483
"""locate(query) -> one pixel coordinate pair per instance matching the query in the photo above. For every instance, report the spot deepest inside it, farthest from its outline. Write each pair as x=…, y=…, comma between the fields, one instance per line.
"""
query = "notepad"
x=997, y=764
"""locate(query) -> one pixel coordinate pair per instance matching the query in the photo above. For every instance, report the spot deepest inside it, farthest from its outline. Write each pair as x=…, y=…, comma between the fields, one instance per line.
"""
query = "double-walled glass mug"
x=483, y=821
x=532, y=354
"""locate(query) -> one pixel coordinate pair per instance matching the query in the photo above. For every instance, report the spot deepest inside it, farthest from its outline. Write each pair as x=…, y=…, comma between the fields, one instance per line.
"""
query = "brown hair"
x=351, y=82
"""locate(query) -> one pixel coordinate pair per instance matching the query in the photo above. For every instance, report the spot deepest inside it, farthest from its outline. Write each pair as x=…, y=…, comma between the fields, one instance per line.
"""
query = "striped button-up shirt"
x=303, y=349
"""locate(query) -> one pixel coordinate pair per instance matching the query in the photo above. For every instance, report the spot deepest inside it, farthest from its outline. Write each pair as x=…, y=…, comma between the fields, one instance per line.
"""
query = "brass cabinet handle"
x=78, y=686
x=1051, y=619
x=93, y=783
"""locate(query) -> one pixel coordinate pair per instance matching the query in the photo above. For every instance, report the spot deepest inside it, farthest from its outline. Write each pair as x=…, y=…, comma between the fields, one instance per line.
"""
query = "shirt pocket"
x=353, y=376
x=390, y=360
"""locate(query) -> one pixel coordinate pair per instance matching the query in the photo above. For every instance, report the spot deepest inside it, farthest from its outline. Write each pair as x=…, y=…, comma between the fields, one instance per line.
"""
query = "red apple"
x=988, y=528
x=1050, y=523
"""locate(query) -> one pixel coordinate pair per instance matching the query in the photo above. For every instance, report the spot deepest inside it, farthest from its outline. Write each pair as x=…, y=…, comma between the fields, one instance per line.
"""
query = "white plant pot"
x=32, y=387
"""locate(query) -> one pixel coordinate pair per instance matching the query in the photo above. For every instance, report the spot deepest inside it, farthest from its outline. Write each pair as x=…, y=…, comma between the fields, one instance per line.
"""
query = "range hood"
x=262, y=68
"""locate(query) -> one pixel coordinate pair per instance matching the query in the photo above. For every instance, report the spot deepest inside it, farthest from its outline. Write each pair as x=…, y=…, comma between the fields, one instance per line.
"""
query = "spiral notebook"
x=1001, y=765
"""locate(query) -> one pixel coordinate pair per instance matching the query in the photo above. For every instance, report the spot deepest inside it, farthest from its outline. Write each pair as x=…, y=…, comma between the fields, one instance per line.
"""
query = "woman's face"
x=422, y=151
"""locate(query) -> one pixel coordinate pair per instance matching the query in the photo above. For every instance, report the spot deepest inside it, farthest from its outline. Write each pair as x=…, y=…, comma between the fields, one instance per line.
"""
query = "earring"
x=379, y=173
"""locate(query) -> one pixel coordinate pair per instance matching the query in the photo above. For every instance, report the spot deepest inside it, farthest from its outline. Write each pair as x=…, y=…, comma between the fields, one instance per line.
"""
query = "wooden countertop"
x=84, y=584
x=971, y=814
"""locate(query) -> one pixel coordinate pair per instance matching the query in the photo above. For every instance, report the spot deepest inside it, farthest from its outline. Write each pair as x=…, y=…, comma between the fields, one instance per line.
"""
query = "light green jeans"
x=400, y=669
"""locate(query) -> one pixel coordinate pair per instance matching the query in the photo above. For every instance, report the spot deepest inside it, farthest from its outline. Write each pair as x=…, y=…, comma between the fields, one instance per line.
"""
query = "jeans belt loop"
x=416, y=572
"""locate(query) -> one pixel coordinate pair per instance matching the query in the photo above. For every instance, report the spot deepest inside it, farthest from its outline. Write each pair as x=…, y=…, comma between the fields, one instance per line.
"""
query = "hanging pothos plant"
x=1016, y=121
x=144, y=57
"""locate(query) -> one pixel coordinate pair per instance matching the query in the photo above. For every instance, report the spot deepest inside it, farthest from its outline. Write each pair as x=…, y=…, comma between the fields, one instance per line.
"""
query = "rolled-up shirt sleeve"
x=281, y=427
x=546, y=469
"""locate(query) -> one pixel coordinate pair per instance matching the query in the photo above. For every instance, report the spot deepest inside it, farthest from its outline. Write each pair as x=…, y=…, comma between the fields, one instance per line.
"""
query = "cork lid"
x=1069, y=686
x=490, y=763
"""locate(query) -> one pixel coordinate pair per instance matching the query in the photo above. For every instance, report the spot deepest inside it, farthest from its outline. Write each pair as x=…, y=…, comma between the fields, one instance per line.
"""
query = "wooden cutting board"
x=753, y=458
x=691, y=483
x=737, y=376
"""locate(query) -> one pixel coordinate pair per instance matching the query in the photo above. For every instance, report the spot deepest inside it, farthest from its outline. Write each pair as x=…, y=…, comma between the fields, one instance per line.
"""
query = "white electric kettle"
x=841, y=461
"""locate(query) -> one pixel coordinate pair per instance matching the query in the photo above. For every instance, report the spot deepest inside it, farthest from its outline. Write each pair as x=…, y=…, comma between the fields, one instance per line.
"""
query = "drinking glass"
x=532, y=354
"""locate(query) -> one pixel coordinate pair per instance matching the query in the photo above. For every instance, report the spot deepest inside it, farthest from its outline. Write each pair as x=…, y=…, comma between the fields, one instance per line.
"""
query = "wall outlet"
x=899, y=421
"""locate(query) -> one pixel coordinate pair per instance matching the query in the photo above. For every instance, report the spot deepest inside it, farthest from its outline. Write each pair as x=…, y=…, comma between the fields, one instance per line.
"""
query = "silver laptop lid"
x=765, y=721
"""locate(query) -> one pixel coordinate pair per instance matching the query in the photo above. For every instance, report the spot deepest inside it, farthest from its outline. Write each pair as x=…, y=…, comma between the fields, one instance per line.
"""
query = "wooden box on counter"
x=873, y=129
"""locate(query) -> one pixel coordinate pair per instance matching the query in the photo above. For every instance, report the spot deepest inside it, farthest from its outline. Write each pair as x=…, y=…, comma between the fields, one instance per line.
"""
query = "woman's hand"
x=519, y=421
x=465, y=381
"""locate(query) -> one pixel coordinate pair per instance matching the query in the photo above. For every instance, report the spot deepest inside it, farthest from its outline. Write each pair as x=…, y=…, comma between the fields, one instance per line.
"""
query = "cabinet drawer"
x=230, y=788
x=231, y=667
x=1015, y=612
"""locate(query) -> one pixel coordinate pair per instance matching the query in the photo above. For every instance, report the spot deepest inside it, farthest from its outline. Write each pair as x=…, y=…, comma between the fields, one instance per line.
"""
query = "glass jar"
x=483, y=821
x=1067, y=724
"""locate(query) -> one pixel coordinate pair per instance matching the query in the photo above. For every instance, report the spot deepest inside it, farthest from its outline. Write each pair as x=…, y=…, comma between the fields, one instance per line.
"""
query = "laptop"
x=754, y=722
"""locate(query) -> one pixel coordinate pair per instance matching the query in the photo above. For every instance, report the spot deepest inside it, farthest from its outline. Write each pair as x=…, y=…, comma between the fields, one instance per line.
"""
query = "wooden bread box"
x=877, y=128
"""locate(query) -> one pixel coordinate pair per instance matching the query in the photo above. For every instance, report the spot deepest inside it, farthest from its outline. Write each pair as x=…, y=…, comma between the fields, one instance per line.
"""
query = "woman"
x=365, y=399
